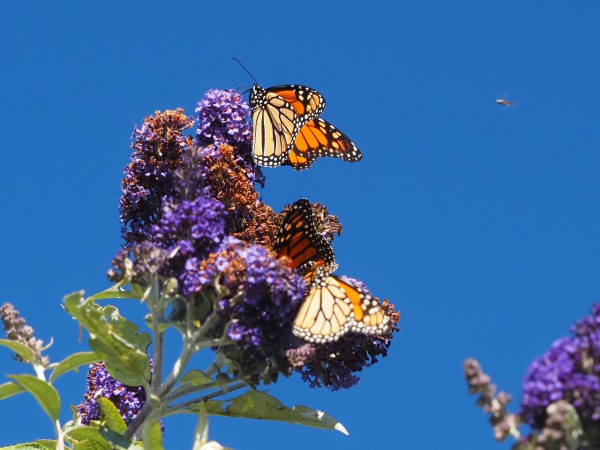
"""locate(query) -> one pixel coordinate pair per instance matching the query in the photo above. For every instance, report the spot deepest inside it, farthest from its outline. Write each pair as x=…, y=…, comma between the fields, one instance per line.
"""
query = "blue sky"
x=479, y=222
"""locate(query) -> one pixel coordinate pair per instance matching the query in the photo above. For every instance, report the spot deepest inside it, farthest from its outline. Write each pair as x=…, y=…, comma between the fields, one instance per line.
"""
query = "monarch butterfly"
x=278, y=113
x=299, y=240
x=333, y=308
x=288, y=131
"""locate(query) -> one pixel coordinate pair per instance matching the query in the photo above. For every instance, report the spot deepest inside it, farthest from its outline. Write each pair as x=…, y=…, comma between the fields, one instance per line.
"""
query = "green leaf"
x=114, y=421
x=9, y=389
x=116, y=340
x=44, y=393
x=87, y=438
x=46, y=444
x=117, y=440
x=24, y=352
x=117, y=291
x=259, y=405
x=38, y=445
x=72, y=363
x=73, y=299
x=196, y=378
x=152, y=436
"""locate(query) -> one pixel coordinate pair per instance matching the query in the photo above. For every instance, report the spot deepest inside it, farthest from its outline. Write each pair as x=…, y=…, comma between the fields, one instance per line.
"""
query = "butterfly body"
x=288, y=130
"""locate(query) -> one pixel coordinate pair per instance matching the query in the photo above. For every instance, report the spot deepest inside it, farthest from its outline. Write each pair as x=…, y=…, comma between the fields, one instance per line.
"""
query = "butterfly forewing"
x=274, y=127
x=307, y=103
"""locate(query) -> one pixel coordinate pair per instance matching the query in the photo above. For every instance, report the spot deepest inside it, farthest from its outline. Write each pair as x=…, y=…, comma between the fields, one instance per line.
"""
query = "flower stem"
x=159, y=339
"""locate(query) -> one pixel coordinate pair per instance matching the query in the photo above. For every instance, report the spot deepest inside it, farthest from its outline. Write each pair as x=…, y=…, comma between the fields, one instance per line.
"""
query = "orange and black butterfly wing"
x=333, y=308
x=275, y=125
x=299, y=240
x=318, y=138
x=307, y=103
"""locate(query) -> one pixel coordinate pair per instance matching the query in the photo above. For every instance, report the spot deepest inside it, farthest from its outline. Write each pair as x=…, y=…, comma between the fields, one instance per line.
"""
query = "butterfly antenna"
x=247, y=71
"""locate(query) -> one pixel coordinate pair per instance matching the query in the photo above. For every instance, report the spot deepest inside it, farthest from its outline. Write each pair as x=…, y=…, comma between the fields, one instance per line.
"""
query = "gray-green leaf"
x=43, y=392
x=47, y=444
x=196, y=378
x=152, y=436
x=38, y=445
x=116, y=340
x=259, y=405
x=87, y=438
x=117, y=440
x=114, y=421
x=73, y=362
x=117, y=291
x=9, y=389
x=24, y=352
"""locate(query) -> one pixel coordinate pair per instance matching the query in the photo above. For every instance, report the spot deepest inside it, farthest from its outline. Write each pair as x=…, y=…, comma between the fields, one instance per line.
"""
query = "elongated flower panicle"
x=492, y=402
x=17, y=330
x=157, y=147
x=127, y=399
x=569, y=371
x=223, y=119
x=561, y=394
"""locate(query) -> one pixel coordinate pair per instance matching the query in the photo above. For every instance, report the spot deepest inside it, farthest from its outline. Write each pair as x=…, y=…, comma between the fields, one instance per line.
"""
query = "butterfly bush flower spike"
x=223, y=119
x=157, y=147
x=569, y=371
x=561, y=393
x=16, y=329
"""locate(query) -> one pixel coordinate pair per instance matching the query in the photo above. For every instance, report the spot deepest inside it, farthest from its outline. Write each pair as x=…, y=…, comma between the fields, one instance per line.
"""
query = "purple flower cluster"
x=258, y=314
x=128, y=400
x=569, y=371
x=157, y=147
x=223, y=119
x=189, y=230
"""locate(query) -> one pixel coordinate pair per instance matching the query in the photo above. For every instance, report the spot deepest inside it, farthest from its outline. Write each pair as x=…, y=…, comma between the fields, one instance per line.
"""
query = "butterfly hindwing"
x=333, y=308
x=299, y=240
x=318, y=138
